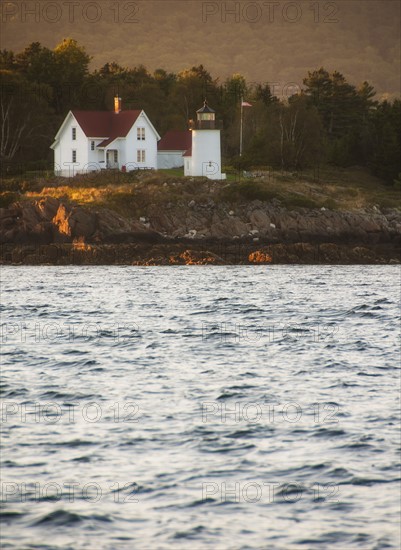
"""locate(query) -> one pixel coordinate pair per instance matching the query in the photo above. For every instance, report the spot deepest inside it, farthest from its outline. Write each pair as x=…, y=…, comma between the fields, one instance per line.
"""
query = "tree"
x=385, y=159
x=36, y=63
x=192, y=87
x=7, y=60
x=263, y=93
x=25, y=119
x=336, y=100
x=71, y=64
x=289, y=135
x=165, y=80
x=345, y=112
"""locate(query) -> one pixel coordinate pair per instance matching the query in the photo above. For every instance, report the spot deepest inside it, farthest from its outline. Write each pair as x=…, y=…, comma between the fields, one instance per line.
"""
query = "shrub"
x=330, y=204
x=247, y=191
x=297, y=201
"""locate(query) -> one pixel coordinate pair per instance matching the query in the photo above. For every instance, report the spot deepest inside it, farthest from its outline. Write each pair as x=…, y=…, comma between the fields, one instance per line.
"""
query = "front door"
x=112, y=158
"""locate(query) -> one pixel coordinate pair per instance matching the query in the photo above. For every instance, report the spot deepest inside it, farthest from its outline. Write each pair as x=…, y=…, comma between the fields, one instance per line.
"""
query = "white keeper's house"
x=94, y=140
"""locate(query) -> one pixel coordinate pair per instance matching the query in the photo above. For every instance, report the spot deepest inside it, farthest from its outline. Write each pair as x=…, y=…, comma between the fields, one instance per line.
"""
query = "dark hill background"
x=361, y=37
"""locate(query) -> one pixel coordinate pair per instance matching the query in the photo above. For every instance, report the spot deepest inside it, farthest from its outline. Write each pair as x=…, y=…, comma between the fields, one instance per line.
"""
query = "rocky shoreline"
x=218, y=253
x=55, y=232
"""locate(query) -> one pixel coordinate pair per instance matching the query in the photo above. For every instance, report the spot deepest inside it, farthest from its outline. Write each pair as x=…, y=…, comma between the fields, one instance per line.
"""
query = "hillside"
x=264, y=44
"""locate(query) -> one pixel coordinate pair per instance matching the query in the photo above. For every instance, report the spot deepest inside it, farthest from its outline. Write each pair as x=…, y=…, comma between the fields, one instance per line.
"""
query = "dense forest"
x=328, y=120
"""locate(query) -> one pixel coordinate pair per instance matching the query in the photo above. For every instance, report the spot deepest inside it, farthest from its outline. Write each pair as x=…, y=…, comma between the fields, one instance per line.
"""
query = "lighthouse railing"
x=205, y=124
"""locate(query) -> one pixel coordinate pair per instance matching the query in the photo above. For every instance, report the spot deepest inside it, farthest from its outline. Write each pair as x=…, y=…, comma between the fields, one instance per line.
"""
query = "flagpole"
x=240, y=131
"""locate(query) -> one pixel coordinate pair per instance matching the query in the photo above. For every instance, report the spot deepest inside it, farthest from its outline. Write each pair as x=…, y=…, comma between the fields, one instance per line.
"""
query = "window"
x=92, y=145
x=206, y=116
x=74, y=155
x=140, y=134
x=115, y=156
x=74, y=134
x=140, y=155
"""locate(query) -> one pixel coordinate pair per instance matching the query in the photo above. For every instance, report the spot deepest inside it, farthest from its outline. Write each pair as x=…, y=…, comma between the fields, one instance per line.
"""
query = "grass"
x=133, y=194
x=172, y=172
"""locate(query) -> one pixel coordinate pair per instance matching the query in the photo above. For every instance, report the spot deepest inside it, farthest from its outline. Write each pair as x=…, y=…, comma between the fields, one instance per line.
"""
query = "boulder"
x=48, y=207
x=260, y=220
x=260, y=257
x=82, y=222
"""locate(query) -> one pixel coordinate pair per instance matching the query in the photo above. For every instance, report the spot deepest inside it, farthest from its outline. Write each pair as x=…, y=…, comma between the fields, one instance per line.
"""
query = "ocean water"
x=200, y=407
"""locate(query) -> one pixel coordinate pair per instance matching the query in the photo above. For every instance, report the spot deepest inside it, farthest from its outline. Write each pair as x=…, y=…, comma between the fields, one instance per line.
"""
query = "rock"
x=142, y=252
x=260, y=220
x=30, y=214
x=78, y=222
x=6, y=213
x=82, y=221
x=226, y=227
x=133, y=237
x=110, y=225
x=60, y=220
x=194, y=257
x=48, y=207
x=52, y=220
x=394, y=261
x=362, y=255
x=260, y=257
x=329, y=253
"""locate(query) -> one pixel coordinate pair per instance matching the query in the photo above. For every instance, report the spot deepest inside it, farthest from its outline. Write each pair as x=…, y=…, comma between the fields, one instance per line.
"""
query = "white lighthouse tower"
x=204, y=158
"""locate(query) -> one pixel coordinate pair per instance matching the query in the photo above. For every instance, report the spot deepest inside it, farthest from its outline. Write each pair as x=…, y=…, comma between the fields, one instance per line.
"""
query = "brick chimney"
x=117, y=104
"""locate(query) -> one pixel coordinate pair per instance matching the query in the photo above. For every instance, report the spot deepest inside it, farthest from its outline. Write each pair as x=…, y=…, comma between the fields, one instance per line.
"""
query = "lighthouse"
x=204, y=157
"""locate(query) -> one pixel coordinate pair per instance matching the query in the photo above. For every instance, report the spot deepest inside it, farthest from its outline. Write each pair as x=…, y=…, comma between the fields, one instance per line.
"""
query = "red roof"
x=106, y=124
x=106, y=142
x=188, y=153
x=175, y=140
